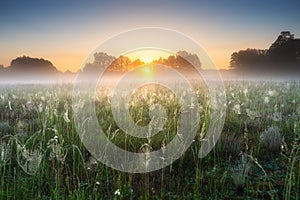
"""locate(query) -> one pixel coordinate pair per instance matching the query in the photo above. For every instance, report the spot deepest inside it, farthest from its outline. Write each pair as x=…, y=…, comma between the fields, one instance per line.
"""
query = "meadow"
x=256, y=157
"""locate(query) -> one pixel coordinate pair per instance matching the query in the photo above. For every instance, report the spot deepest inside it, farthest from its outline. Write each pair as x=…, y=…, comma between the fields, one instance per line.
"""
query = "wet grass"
x=256, y=157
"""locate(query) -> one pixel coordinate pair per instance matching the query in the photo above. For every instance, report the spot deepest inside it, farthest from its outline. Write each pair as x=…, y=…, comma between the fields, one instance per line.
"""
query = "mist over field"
x=150, y=99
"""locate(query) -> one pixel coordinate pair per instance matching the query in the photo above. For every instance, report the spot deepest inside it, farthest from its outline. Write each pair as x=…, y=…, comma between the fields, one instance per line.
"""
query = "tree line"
x=283, y=55
x=181, y=61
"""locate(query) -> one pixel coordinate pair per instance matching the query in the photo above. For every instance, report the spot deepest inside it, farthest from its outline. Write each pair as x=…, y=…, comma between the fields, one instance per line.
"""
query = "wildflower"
x=117, y=192
x=9, y=105
x=91, y=162
x=4, y=149
x=97, y=183
x=245, y=92
x=237, y=109
x=29, y=105
x=251, y=114
x=271, y=93
x=40, y=108
x=66, y=118
x=56, y=148
x=266, y=100
x=54, y=112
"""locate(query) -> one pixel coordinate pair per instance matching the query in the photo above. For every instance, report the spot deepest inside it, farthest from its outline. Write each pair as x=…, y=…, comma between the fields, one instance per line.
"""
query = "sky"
x=66, y=32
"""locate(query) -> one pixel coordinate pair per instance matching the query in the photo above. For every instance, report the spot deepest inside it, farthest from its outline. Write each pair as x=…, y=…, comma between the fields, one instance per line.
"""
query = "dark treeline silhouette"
x=182, y=61
x=25, y=68
x=27, y=64
x=28, y=69
x=282, y=56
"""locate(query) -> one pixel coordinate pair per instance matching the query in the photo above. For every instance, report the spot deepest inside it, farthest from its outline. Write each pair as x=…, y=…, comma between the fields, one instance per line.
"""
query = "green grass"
x=257, y=156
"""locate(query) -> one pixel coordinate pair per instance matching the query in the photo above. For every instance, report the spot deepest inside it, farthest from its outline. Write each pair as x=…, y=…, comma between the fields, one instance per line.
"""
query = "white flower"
x=252, y=114
x=266, y=100
x=97, y=183
x=29, y=105
x=4, y=149
x=40, y=108
x=271, y=93
x=9, y=105
x=66, y=118
x=237, y=109
x=117, y=192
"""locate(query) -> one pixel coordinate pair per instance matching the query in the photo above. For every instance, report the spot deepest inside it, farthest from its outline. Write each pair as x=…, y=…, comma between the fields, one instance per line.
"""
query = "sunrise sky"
x=65, y=32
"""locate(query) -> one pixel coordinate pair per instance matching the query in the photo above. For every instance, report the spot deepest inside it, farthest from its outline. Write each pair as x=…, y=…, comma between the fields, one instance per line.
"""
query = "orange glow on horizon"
x=148, y=55
x=73, y=62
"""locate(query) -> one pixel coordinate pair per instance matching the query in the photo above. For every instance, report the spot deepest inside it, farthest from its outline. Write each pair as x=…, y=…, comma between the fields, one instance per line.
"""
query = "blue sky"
x=65, y=32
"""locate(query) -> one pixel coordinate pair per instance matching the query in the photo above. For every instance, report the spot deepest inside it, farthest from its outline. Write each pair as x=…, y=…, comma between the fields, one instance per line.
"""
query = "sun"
x=147, y=69
x=147, y=56
x=146, y=59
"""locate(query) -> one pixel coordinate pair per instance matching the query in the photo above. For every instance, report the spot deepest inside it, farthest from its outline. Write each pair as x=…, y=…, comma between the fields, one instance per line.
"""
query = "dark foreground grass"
x=257, y=156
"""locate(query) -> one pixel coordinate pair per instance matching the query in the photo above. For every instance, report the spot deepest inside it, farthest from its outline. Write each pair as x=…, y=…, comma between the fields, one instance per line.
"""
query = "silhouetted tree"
x=185, y=59
x=102, y=59
x=121, y=64
x=137, y=63
x=181, y=61
x=285, y=51
x=249, y=58
x=283, y=55
x=170, y=61
x=26, y=68
x=26, y=64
